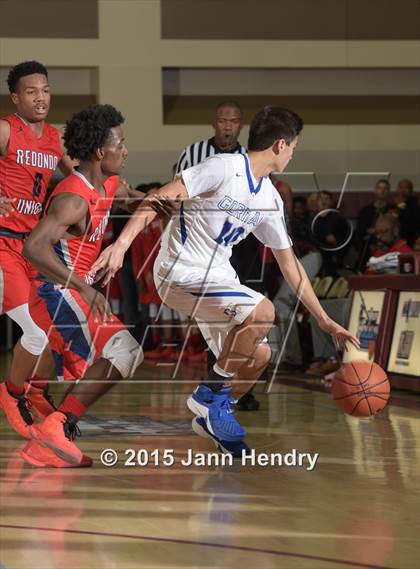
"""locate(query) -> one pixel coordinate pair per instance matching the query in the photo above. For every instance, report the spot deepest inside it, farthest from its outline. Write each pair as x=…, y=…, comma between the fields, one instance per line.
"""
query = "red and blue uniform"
x=25, y=172
x=76, y=340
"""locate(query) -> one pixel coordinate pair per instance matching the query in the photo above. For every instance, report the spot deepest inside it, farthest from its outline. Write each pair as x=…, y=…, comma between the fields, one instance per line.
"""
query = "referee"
x=227, y=124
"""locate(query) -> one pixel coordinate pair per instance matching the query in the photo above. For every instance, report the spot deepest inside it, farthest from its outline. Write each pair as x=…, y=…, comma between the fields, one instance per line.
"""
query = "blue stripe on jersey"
x=65, y=320
x=59, y=365
x=248, y=175
x=59, y=251
x=223, y=293
x=182, y=225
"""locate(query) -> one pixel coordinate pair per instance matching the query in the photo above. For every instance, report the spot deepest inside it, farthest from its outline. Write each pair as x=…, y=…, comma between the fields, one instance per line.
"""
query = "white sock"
x=222, y=372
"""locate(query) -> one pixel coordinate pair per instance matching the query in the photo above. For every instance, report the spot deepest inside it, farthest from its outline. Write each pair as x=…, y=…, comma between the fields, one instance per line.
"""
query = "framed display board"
x=404, y=356
x=365, y=317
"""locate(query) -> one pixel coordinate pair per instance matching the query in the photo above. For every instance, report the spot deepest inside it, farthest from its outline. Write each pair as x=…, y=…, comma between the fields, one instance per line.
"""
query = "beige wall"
x=286, y=19
x=130, y=55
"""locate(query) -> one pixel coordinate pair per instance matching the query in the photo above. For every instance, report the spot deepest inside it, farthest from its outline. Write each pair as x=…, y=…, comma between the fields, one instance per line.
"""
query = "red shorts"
x=75, y=339
x=16, y=274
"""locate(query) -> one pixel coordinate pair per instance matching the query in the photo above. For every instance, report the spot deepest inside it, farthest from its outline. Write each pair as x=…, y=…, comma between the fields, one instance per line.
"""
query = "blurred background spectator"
x=406, y=209
x=330, y=233
x=365, y=230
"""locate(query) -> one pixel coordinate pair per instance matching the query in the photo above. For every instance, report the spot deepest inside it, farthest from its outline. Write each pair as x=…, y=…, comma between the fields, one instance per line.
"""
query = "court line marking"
x=200, y=543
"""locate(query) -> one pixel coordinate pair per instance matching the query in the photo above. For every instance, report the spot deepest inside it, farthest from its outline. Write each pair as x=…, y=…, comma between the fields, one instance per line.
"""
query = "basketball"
x=360, y=388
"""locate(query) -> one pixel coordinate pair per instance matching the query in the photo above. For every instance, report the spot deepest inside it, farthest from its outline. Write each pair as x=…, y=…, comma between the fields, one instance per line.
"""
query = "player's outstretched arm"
x=66, y=211
x=296, y=277
x=110, y=260
x=129, y=199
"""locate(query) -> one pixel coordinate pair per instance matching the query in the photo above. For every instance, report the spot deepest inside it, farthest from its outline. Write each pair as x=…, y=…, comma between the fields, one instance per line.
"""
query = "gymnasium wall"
x=351, y=68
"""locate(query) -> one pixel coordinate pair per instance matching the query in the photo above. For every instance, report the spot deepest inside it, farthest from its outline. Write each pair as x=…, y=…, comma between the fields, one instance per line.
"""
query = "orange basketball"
x=360, y=388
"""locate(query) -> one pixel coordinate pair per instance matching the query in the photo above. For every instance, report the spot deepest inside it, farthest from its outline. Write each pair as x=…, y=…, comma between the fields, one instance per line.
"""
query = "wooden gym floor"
x=357, y=508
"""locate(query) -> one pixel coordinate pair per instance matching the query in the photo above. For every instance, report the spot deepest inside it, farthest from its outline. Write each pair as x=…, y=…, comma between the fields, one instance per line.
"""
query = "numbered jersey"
x=79, y=253
x=25, y=171
x=225, y=204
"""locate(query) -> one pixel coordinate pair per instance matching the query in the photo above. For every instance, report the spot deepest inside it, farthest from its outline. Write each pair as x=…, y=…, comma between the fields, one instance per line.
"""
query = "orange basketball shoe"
x=17, y=411
x=56, y=433
x=41, y=402
x=39, y=456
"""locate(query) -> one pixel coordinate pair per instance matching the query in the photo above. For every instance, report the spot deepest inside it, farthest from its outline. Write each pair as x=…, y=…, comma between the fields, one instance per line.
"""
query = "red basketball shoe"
x=56, y=433
x=17, y=411
x=41, y=402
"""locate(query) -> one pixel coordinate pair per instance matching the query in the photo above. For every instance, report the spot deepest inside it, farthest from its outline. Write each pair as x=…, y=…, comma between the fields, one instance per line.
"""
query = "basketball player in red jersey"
x=83, y=334
x=30, y=151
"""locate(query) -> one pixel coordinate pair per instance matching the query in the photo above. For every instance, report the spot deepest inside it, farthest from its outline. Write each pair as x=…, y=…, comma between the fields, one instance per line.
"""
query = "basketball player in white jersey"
x=223, y=199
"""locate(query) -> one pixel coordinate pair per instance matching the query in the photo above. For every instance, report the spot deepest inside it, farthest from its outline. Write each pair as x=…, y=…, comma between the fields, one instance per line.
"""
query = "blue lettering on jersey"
x=226, y=236
x=240, y=211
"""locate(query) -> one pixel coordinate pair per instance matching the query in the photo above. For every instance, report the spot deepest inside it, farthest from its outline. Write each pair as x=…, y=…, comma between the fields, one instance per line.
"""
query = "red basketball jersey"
x=79, y=253
x=25, y=171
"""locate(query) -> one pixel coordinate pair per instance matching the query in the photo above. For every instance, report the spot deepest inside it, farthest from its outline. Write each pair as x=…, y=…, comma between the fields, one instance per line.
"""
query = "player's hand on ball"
x=100, y=309
x=108, y=263
x=340, y=336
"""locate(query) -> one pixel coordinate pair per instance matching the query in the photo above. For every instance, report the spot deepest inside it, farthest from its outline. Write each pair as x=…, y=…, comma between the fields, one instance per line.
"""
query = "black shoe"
x=248, y=403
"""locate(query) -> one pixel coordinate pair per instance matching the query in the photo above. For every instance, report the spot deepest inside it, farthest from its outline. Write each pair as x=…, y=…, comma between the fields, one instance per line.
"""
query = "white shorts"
x=215, y=299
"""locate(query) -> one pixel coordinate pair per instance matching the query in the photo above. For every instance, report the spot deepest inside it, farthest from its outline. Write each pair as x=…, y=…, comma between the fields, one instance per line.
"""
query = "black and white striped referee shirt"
x=199, y=151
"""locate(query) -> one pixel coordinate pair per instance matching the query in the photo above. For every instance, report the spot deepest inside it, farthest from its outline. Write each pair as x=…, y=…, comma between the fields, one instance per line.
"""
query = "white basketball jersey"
x=225, y=204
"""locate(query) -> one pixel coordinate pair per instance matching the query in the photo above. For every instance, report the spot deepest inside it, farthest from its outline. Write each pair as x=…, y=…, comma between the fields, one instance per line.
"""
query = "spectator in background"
x=312, y=204
x=301, y=226
x=406, y=209
x=388, y=239
x=285, y=339
x=365, y=230
x=329, y=232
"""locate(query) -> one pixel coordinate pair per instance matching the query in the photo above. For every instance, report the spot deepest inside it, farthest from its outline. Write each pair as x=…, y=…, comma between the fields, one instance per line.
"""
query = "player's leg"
x=236, y=344
x=30, y=373
x=247, y=375
x=32, y=364
x=244, y=396
x=14, y=294
x=119, y=359
x=100, y=354
x=234, y=320
x=245, y=379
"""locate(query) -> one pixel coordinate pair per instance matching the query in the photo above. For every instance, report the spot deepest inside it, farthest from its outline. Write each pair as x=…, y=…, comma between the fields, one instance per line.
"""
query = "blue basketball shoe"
x=236, y=449
x=214, y=408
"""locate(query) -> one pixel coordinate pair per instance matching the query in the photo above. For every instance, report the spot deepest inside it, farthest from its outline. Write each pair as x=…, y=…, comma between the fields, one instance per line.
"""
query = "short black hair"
x=271, y=124
x=299, y=199
x=383, y=181
x=89, y=129
x=21, y=70
x=231, y=104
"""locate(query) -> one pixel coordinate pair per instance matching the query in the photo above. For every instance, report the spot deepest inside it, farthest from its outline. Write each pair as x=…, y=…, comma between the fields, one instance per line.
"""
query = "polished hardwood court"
x=357, y=507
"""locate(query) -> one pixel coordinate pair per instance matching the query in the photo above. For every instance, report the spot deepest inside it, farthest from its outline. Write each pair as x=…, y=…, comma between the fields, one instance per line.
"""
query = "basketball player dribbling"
x=223, y=199
x=30, y=152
